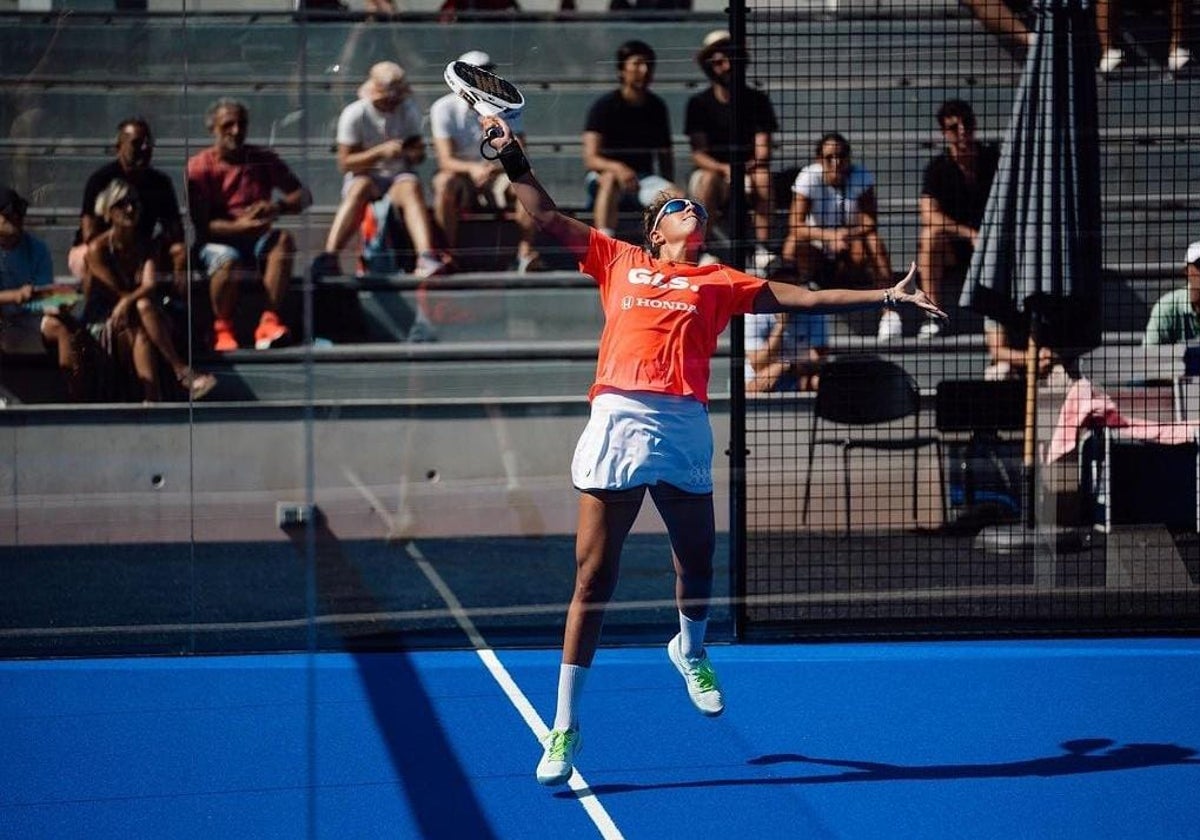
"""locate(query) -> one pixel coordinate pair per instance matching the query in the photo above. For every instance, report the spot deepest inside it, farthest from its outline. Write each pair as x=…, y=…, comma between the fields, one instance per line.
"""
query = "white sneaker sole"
x=677, y=660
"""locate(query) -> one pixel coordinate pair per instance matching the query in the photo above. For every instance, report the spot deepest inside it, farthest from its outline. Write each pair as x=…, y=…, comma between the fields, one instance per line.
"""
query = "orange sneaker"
x=271, y=331
x=223, y=340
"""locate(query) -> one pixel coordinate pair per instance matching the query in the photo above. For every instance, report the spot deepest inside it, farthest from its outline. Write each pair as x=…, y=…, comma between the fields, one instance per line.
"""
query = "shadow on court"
x=1086, y=755
x=424, y=759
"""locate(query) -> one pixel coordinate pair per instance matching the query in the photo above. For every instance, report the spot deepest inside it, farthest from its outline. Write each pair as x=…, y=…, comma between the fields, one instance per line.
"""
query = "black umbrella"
x=1036, y=267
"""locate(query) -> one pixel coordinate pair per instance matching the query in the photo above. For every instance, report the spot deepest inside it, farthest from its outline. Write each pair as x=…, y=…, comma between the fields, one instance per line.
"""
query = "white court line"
x=583, y=792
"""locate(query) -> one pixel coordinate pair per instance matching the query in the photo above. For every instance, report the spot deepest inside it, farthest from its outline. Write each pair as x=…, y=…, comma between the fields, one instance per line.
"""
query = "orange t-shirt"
x=661, y=318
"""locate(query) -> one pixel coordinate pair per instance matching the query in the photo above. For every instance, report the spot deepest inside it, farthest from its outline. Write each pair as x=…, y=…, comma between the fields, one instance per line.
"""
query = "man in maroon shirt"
x=232, y=188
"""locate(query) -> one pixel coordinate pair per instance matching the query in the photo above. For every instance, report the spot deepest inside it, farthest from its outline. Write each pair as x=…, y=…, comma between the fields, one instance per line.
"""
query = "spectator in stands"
x=379, y=146
x=784, y=350
x=159, y=220
x=833, y=235
x=1113, y=57
x=120, y=302
x=231, y=192
x=627, y=141
x=464, y=181
x=709, y=125
x=1008, y=353
x=954, y=193
x=1175, y=318
x=25, y=266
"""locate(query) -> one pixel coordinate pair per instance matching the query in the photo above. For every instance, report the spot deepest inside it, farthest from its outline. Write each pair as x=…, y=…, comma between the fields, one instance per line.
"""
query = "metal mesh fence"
x=906, y=476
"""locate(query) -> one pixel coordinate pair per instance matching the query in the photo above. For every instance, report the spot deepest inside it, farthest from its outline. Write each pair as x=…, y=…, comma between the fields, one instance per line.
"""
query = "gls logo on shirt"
x=646, y=277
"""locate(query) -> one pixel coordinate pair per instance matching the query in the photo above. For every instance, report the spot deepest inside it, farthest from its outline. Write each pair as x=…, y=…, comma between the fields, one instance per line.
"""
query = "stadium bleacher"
x=65, y=81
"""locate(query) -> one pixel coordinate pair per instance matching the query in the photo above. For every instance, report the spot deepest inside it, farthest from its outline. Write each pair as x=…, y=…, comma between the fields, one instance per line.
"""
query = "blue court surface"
x=966, y=739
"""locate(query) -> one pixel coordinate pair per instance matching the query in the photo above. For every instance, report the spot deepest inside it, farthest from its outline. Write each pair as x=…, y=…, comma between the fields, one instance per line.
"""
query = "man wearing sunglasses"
x=160, y=220
x=649, y=428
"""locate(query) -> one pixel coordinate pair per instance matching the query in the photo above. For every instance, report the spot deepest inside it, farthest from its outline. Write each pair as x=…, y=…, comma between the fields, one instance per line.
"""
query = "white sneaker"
x=1113, y=58
x=929, y=330
x=558, y=757
x=891, y=326
x=702, y=685
x=1179, y=58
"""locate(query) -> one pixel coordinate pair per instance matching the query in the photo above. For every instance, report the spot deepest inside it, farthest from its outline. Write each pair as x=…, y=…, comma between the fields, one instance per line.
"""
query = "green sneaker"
x=700, y=678
x=558, y=759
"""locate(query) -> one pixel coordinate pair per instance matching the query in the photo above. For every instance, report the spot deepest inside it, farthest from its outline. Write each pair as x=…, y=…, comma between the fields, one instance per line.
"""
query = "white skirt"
x=642, y=438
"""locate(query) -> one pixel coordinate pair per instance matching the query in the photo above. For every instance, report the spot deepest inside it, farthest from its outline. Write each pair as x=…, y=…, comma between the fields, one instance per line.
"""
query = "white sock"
x=570, y=686
x=691, y=636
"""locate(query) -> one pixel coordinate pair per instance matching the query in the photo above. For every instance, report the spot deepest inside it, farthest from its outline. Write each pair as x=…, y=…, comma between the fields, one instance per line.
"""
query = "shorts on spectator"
x=636, y=438
x=722, y=189
x=649, y=186
x=246, y=252
x=382, y=183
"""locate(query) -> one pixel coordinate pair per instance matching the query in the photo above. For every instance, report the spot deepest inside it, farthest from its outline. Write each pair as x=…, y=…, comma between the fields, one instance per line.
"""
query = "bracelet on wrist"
x=889, y=299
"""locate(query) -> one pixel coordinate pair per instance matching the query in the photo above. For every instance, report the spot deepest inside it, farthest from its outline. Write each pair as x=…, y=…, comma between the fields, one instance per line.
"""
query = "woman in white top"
x=833, y=235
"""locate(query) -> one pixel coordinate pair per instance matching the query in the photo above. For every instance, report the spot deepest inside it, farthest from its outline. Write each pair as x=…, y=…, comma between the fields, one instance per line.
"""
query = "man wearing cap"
x=1175, y=318
x=25, y=265
x=627, y=141
x=464, y=180
x=708, y=124
x=379, y=146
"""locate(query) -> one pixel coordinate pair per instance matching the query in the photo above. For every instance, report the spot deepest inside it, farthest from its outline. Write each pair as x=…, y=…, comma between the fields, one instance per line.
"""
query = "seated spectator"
x=627, y=141
x=709, y=126
x=1175, y=318
x=954, y=193
x=833, y=235
x=119, y=297
x=159, y=221
x=25, y=266
x=465, y=180
x=1112, y=56
x=379, y=146
x=231, y=187
x=784, y=350
x=1008, y=355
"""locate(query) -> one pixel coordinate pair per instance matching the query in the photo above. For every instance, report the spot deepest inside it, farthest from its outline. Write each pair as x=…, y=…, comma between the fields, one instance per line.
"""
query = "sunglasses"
x=678, y=205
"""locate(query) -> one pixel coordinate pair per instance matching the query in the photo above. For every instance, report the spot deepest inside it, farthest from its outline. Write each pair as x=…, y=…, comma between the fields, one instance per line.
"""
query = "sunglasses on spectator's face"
x=127, y=204
x=678, y=205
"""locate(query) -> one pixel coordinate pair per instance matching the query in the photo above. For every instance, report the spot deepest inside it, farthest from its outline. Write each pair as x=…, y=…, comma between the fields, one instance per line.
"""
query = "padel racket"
x=486, y=93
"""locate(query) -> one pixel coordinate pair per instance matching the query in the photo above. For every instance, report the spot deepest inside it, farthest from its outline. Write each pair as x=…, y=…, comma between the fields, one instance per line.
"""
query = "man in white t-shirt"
x=833, y=235
x=379, y=145
x=465, y=180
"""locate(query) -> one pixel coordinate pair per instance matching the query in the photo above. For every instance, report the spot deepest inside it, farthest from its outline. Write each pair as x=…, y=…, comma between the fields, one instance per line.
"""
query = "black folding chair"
x=866, y=391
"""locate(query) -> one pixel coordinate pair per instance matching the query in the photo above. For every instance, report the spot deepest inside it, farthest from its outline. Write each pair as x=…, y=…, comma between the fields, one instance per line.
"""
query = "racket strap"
x=512, y=158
